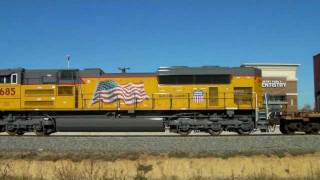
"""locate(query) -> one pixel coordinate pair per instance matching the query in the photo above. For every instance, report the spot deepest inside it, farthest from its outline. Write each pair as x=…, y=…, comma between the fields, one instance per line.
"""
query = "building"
x=316, y=67
x=280, y=86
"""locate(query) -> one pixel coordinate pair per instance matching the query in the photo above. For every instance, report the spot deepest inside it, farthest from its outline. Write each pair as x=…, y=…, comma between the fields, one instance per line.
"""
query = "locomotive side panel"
x=240, y=93
x=145, y=93
x=131, y=92
x=9, y=97
x=49, y=97
x=36, y=97
x=67, y=97
x=118, y=93
x=243, y=92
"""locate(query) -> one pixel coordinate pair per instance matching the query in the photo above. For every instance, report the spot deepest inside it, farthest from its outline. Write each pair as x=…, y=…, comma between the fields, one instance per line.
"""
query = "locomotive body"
x=182, y=99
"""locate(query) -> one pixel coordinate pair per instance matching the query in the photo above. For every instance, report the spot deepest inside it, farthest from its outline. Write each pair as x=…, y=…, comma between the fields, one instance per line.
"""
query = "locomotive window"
x=65, y=91
x=7, y=79
x=14, y=78
x=243, y=95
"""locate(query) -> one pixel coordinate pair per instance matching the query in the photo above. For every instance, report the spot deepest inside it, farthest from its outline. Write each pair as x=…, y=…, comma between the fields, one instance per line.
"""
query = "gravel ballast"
x=194, y=145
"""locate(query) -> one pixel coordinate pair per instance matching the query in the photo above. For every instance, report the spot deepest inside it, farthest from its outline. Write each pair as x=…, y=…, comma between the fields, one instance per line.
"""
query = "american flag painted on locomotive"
x=198, y=96
x=109, y=91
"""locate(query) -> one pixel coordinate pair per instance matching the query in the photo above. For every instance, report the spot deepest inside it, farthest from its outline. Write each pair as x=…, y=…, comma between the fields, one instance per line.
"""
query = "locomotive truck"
x=180, y=99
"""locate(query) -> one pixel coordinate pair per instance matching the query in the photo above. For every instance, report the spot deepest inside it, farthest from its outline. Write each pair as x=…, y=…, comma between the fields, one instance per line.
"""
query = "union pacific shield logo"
x=198, y=96
x=109, y=91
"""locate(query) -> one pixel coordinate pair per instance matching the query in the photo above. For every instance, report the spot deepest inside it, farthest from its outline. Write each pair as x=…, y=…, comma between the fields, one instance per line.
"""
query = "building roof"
x=317, y=55
x=269, y=64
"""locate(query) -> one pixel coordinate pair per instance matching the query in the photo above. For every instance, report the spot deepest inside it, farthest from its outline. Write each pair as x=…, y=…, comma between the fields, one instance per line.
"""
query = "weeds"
x=163, y=168
x=4, y=170
x=142, y=170
x=67, y=171
x=262, y=175
x=314, y=174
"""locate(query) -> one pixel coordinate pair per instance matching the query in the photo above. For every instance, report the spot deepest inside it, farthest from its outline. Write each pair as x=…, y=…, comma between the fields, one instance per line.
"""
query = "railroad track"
x=275, y=131
x=166, y=136
x=225, y=144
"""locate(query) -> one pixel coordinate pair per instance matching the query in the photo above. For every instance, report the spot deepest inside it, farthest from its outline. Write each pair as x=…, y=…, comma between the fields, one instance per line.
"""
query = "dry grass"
x=156, y=167
x=79, y=156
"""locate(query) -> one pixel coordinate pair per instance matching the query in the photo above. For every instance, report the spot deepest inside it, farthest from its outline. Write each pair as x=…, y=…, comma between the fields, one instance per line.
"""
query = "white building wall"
x=289, y=71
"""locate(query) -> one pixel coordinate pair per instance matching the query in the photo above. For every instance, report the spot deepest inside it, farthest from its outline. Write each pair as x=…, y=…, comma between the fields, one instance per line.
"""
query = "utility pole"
x=68, y=61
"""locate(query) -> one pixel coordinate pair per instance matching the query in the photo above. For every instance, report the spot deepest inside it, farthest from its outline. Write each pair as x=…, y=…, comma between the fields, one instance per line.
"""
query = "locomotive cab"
x=10, y=80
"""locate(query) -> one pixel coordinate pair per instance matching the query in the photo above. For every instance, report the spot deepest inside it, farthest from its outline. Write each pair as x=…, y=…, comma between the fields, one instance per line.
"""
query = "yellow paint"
x=9, y=97
x=161, y=97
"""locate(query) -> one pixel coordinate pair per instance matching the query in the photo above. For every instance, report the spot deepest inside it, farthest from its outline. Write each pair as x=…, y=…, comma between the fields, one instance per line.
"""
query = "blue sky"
x=146, y=34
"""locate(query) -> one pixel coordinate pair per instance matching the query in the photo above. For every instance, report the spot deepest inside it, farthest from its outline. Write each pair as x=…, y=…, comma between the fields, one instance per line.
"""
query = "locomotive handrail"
x=239, y=102
x=185, y=99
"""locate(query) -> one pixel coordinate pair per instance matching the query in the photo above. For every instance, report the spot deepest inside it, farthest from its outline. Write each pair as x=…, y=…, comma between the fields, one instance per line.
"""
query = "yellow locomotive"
x=181, y=99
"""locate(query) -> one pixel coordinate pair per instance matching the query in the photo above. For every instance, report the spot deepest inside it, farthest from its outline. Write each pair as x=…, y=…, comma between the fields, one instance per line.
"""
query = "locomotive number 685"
x=7, y=91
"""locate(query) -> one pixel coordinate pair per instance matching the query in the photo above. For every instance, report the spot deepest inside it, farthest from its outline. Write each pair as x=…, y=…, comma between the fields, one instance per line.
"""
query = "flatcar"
x=179, y=99
x=308, y=122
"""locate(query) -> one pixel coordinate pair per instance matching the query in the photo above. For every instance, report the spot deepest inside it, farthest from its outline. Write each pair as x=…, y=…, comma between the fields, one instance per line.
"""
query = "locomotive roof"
x=208, y=70
x=6, y=72
x=162, y=71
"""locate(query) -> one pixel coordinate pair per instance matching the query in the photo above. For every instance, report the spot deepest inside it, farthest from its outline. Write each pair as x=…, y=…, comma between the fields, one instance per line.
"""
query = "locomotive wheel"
x=38, y=133
x=288, y=130
x=243, y=132
x=11, y=133
x=312, y=129
x=282, y=130
x=214, y=132
x=185, y=132
x=245, y=129
x=41, y=133
x=19, y=133
x=285, y=129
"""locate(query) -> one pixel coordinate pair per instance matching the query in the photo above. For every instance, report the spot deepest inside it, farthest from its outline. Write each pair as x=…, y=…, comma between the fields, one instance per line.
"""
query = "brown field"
x=172, y=167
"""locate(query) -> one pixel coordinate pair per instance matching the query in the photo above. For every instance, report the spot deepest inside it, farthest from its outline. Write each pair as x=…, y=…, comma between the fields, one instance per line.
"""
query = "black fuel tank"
x=96, y=123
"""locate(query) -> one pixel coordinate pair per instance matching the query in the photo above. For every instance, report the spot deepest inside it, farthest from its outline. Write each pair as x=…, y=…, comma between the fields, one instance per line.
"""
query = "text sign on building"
x=273, y=84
